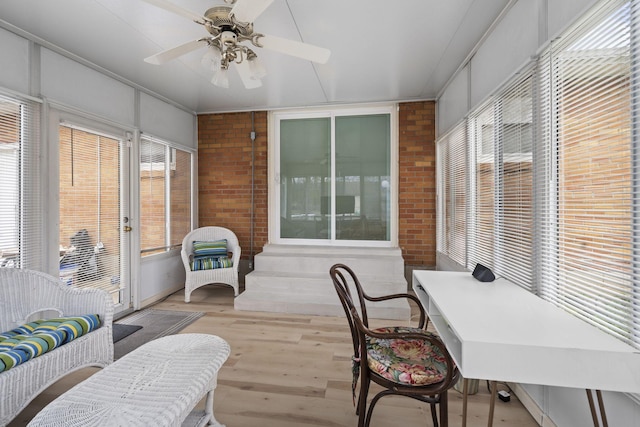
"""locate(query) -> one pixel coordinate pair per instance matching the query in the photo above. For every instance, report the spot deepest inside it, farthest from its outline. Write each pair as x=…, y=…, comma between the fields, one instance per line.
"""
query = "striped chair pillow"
x=216, y=248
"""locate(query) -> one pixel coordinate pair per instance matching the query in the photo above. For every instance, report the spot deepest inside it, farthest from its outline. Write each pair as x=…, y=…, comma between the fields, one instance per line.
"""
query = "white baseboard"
x=531, y=406
x=158, y=297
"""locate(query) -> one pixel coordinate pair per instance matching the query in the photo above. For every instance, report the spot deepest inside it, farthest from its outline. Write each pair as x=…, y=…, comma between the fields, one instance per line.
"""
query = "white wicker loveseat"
x=27, y=295
x=198, y=278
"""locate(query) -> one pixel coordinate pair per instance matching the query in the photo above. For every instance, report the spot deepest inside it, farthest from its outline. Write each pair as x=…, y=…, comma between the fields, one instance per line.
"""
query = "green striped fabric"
x=215, y=248
x=208, y=263
x=36, y=338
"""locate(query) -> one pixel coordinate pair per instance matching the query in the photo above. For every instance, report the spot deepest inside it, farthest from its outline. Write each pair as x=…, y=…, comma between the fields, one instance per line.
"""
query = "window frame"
x=30, y=215
x=171, y=150
x=331, y=113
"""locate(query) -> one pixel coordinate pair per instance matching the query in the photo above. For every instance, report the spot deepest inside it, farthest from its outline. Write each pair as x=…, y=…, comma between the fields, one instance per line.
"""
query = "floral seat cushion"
x=410, y=362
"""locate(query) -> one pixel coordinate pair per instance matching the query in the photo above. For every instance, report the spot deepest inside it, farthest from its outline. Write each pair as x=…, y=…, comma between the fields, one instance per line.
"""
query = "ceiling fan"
x=228, y=27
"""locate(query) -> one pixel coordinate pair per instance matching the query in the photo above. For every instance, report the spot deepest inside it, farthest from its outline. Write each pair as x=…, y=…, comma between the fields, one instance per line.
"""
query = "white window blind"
x=90, y=208
x=452, y=178
x=482, y=188
x=20, y=206
x=501, y=196
x=442, y=211
x=586, y=232
x=165, y=196
x=514, y=137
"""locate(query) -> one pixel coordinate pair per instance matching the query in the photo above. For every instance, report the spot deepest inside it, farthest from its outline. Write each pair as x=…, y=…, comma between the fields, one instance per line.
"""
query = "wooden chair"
x=406, y=361
x=197, y=278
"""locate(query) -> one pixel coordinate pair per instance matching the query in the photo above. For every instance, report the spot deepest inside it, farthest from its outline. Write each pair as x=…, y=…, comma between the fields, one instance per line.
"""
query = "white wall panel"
x=14, y=72
x=161, y=275
x=506, y=49
x=166, y=121
x=561, y=13
x=454, y=102
x=71, y=83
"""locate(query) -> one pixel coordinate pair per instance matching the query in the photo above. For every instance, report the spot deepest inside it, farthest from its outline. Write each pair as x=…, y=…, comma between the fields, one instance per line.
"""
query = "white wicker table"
x=157, y=384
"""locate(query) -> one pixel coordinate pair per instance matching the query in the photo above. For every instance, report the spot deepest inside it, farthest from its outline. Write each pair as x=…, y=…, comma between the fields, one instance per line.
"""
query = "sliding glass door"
x=334, y=178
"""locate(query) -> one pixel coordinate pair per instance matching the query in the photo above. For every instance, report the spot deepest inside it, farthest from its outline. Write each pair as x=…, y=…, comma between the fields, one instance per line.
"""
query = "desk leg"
x=465, y=395
x=592, y=407
x=492, y=402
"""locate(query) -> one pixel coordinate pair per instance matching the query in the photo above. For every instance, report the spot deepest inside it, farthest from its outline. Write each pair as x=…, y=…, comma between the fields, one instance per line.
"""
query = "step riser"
x=275, y=306
x=372, y=266
x=316, y=286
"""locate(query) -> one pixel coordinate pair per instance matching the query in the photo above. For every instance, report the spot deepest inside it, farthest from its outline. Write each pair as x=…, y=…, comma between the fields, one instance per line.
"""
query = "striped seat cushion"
x=208, y=263
x=38, y=337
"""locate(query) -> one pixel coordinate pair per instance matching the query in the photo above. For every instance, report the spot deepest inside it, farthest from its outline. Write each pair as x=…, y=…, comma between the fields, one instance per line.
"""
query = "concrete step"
x=295, y=279
x=325, y=305
x=319, y=283
x=364, y=261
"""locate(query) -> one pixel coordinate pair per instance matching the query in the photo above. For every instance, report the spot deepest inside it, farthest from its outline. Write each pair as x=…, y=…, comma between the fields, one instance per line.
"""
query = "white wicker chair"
x=196, y=279
x=26, y=295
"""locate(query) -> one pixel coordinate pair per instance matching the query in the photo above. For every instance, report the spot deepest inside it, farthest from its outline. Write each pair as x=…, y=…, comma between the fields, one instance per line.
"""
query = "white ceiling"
x=381, y=50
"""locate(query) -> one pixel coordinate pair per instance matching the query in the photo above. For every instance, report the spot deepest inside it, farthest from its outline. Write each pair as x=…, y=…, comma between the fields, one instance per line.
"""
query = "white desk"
x=501, y=332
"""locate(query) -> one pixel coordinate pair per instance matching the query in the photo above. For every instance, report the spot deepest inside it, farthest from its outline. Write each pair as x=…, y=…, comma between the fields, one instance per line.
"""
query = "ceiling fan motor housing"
x=221, y=21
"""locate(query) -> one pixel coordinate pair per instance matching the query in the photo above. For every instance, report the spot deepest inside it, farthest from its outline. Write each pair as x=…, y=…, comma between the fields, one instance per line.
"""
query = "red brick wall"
x=224, y=189
x=224, y=175
x=417, y=190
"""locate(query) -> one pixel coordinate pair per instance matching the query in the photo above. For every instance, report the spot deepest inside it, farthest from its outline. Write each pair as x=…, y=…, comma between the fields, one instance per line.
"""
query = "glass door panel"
x=91, y=212
x=362, y=147
x=305, y=173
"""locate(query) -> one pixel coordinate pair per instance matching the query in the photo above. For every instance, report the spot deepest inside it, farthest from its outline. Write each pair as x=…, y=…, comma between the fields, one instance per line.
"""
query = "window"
x=334, y=174
x=587, y=267
x=452, y=192
x=552, y=178
x=20, y=208
x=501, y=135
x=165, y=196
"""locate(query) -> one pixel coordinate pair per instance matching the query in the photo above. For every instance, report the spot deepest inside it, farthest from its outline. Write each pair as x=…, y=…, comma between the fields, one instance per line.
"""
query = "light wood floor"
x=289, y=370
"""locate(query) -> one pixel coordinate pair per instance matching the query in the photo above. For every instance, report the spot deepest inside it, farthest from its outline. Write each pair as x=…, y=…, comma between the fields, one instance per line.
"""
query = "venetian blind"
x=89, y=191
x=501, y=196
x=452, y=218
x=586, y=260
x=21, y=227
x=482, y=187
x=513, y=115
x=442, y=166
x=165, y=196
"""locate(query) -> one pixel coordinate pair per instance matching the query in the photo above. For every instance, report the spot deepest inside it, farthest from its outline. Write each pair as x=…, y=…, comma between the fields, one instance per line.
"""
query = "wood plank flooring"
x=289, y=370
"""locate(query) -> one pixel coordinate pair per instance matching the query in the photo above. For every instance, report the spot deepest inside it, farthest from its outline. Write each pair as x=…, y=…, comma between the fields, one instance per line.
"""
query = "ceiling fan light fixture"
x=212, y=58
x=256, y=67
x=221, y=78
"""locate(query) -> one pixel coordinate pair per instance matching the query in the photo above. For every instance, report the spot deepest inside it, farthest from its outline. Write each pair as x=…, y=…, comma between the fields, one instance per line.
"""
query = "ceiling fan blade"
x=171, y=7
x=249, y=10
x=245, y=75
x=175, y=52
x=295, y=48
